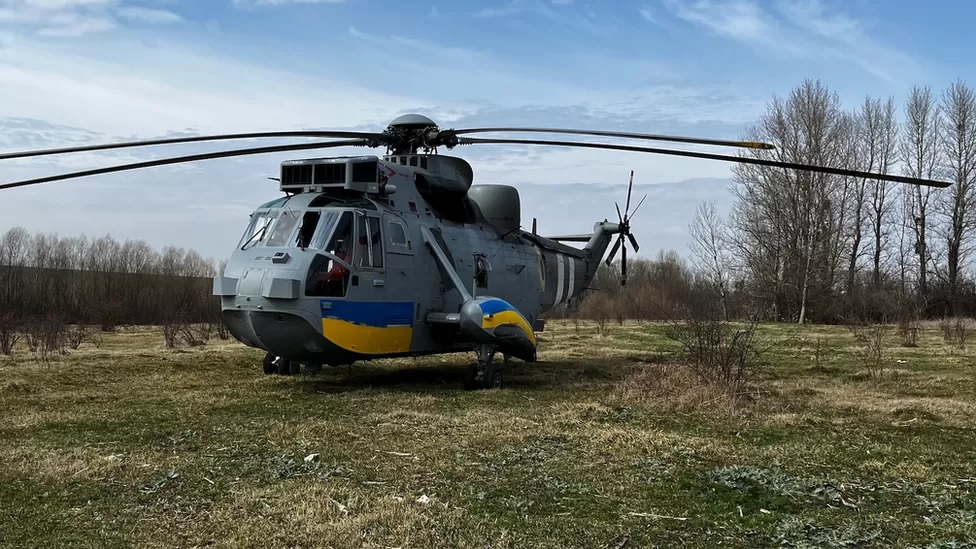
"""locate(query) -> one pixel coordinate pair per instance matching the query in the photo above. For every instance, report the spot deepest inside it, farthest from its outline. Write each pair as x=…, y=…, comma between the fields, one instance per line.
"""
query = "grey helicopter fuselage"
x=369, y=257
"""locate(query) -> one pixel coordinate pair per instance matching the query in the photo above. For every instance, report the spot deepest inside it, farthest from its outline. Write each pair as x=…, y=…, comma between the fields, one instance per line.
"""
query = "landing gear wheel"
x=269, y=366
x=486, y=374
x=284, y=367
x=493, y=377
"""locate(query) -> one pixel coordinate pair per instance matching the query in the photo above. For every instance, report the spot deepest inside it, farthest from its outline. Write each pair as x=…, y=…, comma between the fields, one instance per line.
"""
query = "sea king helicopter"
x=401, y=255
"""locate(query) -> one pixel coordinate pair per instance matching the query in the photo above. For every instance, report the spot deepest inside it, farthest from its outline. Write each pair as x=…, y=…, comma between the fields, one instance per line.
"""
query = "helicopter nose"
x=283, y=334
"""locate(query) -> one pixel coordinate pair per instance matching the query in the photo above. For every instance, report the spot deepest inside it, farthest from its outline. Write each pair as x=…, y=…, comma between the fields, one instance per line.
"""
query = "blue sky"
x=97, y=70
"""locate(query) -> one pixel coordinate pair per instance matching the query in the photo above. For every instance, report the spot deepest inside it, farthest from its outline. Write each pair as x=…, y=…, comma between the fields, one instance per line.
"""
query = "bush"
x=955, y=331
x=719, y=352
x=9, y=334
x=872, y=352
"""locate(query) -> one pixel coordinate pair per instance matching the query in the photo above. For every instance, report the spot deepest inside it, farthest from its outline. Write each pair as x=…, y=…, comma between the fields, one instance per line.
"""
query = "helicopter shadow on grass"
x=450, y=376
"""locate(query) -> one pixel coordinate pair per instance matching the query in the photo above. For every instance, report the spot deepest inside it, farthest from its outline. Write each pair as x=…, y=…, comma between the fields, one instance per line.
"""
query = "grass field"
x=600, y=444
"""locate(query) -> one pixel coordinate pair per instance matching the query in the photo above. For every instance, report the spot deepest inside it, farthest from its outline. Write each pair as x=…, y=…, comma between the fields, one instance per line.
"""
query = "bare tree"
x=709, y=247
x=787, y=221
x=922, y=155
x=857, y=202
x=881, y=137
x=957, y=206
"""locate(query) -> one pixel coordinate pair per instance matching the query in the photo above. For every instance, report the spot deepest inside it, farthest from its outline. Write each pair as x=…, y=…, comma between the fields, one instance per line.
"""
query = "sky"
x=92, y=71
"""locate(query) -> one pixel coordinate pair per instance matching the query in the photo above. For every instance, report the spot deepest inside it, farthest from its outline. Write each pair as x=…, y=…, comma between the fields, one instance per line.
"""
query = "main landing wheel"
x=277, y=365
x=486, y=374
x=269, y=365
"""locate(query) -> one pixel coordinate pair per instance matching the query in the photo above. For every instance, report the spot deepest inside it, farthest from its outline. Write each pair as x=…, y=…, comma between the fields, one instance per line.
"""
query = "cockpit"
x=344, y=236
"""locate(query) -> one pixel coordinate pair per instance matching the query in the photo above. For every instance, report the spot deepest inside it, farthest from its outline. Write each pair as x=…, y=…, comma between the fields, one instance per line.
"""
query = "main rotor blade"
x=190, y=158
x=627, y=135
x=722, y=157
x=379, y=137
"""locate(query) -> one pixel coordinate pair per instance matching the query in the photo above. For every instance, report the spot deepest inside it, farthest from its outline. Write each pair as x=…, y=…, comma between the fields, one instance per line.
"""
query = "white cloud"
x=149, y=15
x=73, y=18
x=798, y=29
x=555, y=11
x=250, y=3
x=173, y=88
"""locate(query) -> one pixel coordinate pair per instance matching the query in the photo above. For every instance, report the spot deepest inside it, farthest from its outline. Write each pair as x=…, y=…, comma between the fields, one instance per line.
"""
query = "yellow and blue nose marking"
x=496, y=312
x=373, y=328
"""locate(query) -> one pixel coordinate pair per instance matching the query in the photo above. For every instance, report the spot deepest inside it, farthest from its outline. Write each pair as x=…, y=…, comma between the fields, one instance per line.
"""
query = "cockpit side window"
x=341, y=242
x=326, y=224
x=282, y=229
x=306, y=230
x=327, y=277
x=257, y=229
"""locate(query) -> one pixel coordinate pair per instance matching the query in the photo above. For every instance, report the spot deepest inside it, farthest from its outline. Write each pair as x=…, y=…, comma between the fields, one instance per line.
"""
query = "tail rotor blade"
x=633, y=213
x=633, y=242
x=623, y=266
x=630, y=188
x=613, y=252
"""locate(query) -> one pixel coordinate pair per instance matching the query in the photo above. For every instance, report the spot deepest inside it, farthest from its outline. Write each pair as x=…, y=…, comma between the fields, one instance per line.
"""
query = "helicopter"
x=369, y=257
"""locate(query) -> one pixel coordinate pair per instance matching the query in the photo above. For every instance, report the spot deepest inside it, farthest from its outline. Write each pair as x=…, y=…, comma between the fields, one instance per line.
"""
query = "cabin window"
x=398, y=236
x=282, y=229
x=369, y=242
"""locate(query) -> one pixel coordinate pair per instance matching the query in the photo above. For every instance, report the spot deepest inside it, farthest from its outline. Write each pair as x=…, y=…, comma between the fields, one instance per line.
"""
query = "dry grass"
x=609, y=441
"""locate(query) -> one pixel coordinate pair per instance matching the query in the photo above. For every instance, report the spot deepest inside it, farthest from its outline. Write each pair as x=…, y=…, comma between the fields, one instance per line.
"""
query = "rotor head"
x=411, y=121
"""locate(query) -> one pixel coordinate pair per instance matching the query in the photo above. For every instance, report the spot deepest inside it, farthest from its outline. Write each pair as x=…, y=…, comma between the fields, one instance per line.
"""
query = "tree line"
x=801, y=247
x=47, y=278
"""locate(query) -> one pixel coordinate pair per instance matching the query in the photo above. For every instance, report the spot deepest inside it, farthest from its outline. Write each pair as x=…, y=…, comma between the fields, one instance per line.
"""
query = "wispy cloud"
x=797, y=28
x=149, y=15
x=173, y=88
x=251, y=3
x=560, y=12
x=72, y=18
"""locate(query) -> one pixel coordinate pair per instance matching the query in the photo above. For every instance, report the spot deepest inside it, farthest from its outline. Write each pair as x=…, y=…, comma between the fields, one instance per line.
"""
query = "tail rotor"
x=625, y=234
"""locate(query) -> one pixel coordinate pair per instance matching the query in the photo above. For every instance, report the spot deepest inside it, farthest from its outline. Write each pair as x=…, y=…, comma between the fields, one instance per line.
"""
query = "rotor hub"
x=411, y=133
x=412, y=121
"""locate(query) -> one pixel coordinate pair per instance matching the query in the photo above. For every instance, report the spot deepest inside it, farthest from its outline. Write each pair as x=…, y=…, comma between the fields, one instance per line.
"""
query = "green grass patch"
x=600, y=444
